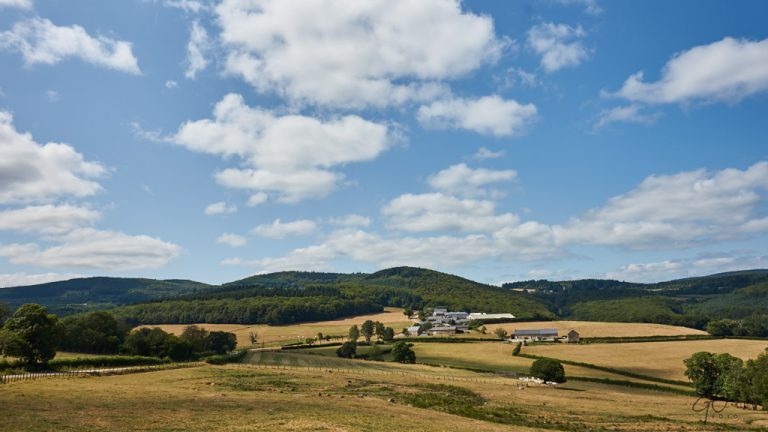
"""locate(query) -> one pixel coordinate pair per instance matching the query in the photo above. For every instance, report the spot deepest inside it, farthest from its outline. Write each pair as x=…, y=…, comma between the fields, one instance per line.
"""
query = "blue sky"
x=496, y=140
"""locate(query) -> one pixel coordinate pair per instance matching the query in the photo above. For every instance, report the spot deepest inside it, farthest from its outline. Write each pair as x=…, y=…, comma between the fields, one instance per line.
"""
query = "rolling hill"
x=83, y=294
x=291, y=297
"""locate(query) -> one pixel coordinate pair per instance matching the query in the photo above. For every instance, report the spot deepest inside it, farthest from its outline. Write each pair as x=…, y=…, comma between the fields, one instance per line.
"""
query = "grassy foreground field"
x=658, y=359
x=601, y=329
x=391, y=317
x=244, y=398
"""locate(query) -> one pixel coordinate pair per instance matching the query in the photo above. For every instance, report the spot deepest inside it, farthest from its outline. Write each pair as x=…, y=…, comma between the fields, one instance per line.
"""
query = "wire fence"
x=503, y=380
x=7, y=379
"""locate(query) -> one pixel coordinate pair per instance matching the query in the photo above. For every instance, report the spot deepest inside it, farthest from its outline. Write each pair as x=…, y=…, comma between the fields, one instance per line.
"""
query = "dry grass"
x=601, y=329
x=392, y=317
x=659, y=359
x=236, y=398
x=496, y=356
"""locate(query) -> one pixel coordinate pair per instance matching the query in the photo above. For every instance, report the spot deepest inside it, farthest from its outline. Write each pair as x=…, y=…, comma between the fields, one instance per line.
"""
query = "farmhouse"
x=487, y=316
x=573, y=337
x=535, y=335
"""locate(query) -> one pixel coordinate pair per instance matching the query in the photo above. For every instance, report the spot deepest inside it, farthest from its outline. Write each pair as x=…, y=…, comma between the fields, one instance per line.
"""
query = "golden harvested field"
x=487, y=356
x=243, y=398
x=658, y=359
x=392, y=317
x=495, y=356
x=601, y=329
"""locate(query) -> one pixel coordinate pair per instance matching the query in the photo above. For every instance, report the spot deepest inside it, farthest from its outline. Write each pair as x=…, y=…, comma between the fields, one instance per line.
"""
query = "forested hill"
x=286, y=297
x=691, y=301
x=92, y=293
x=399, y=286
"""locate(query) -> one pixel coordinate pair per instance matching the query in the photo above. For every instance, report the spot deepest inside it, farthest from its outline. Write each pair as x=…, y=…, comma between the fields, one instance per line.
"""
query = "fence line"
x=7, y=379
x=363, y=371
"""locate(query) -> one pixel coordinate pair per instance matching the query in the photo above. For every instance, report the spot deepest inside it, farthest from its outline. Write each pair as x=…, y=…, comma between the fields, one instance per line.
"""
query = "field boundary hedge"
x=611, y=370
x=634, y=339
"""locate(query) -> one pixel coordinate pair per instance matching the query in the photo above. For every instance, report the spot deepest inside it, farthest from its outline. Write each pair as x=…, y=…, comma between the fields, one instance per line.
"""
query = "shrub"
x=347, y=349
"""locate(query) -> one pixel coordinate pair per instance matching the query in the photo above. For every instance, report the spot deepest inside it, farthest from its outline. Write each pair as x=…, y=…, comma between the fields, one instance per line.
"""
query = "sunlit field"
x=236, y=397
x=601, y=329
x=392, y=317
x=658, y=359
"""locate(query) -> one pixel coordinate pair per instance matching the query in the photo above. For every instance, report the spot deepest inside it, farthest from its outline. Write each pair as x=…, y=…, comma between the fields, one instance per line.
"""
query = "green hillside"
x=84, y=294
x=691, y=301
x=288, y=297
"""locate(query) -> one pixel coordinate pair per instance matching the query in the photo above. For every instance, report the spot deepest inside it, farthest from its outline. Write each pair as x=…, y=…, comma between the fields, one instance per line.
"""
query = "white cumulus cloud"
x=625, y=114
x=21, y=4
x=559, y=45
x=197, y=47
x=279, y=229
x=351, y=220
x=47, y=219
x=290, y=156
x=94, y=249
x=42, y=42
x=220, y=207
x=677, y=210
x=488, y=115
x=354, y=54
x=31, y=172
x=724, y=71
x=440, y=212
x=231, y=240
x=462, y=180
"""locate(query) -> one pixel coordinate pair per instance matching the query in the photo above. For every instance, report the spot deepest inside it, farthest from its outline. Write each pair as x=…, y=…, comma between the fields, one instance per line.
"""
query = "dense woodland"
x=739, y=299
x=738, y=296
x=291, y=297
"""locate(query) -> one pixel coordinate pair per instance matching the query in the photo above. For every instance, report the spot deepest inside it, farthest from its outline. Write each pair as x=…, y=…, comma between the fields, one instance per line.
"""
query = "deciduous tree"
x=548, y=370
x=31, y=334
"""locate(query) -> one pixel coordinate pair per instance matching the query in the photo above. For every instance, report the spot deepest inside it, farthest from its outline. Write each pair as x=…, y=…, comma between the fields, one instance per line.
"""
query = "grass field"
x=658, y=359
x=242, y=398
x=487, y=356
x=601, y=329
x=392, y=317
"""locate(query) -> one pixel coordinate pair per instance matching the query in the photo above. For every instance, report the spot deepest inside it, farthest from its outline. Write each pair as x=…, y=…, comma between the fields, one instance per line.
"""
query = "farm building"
x=535, y=335
x=442, y=331
x=573, y=336
x=491, y=316
x=413, y=330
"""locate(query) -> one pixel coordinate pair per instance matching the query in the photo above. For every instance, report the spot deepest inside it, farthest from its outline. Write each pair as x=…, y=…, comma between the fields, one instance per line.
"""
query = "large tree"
x=367, y=330
x=96, y=332
x=548, y=370
x=403, y=353
x=31, y=334
x=221, y=342
x=196, y=336
x=354, y=333
x=703, y=370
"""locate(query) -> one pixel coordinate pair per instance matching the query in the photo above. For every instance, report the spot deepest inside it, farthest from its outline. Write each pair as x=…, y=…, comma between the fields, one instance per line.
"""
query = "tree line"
x=33, y=336
x=401, y=351
x=254, y=310
x=728, y=378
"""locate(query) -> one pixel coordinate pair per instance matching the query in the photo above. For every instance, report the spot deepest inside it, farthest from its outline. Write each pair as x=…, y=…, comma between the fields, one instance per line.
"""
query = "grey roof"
x=536, y=332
